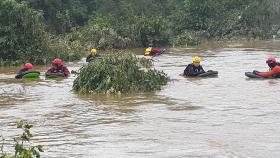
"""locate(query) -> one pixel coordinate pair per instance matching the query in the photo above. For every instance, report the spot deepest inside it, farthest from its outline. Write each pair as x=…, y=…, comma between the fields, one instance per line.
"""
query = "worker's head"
x=196, y=61
x=271, y=62
x=57, y=62
x=93, y=52
x=28, y=66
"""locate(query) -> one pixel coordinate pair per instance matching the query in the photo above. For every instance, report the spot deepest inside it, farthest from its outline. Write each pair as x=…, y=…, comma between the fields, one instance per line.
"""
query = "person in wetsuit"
x=274, y=69
x=26, y=68
x=194, y=69
x=151, y=51
x=58, y=68
x=92, y=55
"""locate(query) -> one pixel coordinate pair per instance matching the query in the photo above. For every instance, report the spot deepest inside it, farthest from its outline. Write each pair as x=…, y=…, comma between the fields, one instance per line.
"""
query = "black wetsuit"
x=192, y=70
x=91, y=57
x=21, y=73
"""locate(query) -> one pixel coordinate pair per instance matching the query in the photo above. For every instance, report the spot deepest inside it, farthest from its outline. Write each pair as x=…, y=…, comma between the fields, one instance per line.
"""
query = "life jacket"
x=58, y=70
x=148, y=51
x=272, y=73
x=192, y=70
x=21, y=73
x=278, y=74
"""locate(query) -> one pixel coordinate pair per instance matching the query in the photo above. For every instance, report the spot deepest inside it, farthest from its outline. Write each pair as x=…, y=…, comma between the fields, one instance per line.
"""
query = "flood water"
x=229, y=116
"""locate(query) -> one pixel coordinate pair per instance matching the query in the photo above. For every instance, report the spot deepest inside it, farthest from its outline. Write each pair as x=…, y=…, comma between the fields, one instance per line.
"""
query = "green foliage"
x=21, y=149
x=61, y=15
x=227, y=18
x=104, y=32
x=10, y=63
x=152, y=30
x=187, y=38
x=40, y=30
x=118, y=73
x=122, y=24
x=64, y=48
x=23, y=37
x=21, y=32
x=260, y=19
x=100, y=34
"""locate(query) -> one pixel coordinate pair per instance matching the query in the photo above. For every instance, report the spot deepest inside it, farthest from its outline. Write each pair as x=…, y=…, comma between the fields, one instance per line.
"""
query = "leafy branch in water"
x=119, y=73
x=23, y=148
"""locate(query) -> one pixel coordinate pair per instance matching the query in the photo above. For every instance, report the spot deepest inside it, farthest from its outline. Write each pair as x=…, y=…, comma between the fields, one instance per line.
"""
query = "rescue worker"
x=274, y=69
x=194, y=69
x=26, y=68
x=150, y=51
x=58, y=68
x=92, y=55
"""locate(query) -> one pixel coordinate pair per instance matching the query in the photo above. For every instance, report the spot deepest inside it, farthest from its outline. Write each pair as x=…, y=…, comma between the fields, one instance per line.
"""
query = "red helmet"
x=28, y=66
x=57, y=61
x=271, y=60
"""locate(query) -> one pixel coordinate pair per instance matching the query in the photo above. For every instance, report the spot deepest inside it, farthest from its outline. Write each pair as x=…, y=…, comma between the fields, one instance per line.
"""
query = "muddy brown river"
x=229, y=116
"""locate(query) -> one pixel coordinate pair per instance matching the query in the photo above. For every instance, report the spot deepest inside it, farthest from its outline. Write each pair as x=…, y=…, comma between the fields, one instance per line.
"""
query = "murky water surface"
x=229, y=116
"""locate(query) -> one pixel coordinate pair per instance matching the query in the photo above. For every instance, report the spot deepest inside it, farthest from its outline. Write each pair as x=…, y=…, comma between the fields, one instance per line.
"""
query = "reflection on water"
x=225, y=116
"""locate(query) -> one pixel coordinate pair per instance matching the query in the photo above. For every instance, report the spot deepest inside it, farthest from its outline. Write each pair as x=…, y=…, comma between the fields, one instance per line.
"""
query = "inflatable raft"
x=29, y=74
x=209, y=74
x=206, y=74
x=252, y=75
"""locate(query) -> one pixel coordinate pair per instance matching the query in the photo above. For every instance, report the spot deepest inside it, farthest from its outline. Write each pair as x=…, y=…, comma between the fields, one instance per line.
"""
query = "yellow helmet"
x=148, y=51
x=196, y=59
x=93, y=52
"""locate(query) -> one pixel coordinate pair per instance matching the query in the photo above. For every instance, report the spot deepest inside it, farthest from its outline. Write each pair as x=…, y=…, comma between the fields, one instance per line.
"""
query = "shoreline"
x=206, y=45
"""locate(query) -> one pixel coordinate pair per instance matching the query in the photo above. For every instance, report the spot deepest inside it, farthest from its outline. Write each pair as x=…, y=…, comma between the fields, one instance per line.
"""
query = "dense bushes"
x=21, y=32
x=175, y=22
x=228, y=18
x=32, y=30
x=23, y=36
x=118, y=73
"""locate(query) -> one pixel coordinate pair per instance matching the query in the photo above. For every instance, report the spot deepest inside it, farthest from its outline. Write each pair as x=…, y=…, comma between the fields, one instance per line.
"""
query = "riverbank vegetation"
x=119, y=73
x=38, y=31
x=22, y=146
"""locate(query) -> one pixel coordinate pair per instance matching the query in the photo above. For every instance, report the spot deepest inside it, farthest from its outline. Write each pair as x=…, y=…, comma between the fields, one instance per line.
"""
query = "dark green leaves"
x=119, y=73
x=21, y=32
x=23, y=148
